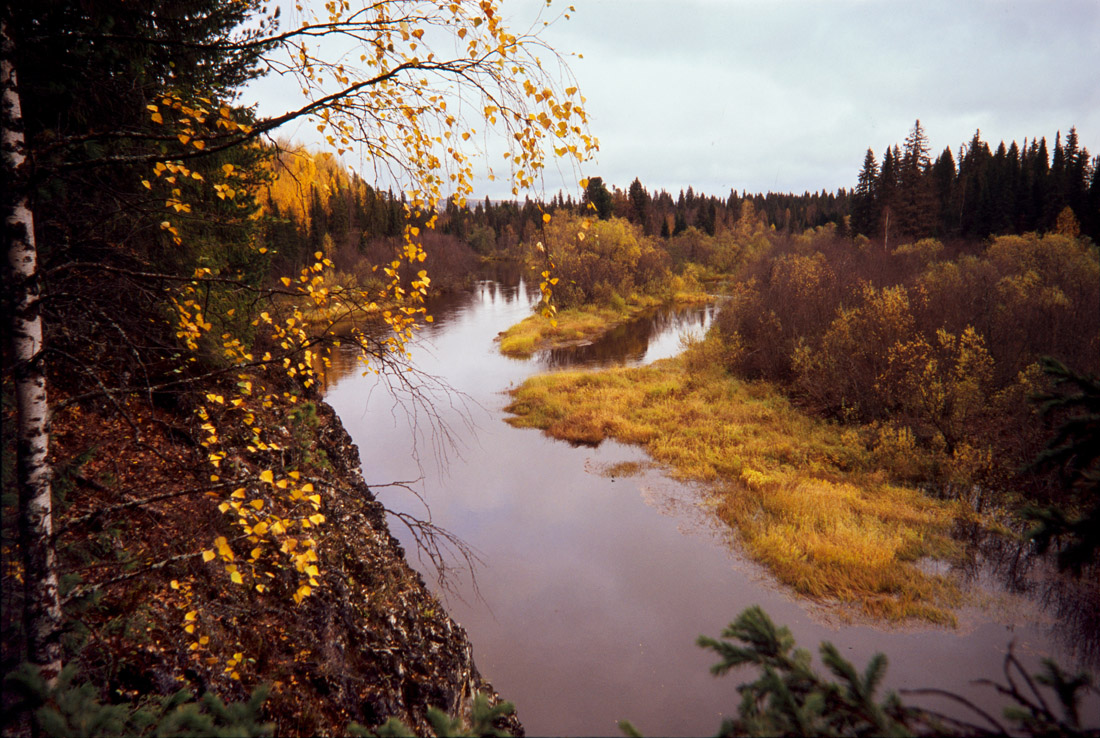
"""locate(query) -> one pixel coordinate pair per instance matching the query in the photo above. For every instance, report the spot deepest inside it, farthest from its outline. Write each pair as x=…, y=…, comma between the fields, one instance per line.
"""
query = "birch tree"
x=42, y=607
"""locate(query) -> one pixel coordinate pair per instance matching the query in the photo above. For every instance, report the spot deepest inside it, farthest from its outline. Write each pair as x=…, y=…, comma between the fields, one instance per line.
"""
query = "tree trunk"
x=42, y=606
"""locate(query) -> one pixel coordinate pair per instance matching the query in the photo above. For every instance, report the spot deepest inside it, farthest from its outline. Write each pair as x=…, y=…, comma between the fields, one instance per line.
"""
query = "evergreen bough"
x=790, y=698
x=70, y=710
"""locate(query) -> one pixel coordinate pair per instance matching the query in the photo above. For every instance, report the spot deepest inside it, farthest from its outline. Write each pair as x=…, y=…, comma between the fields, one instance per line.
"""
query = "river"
x=593, y=587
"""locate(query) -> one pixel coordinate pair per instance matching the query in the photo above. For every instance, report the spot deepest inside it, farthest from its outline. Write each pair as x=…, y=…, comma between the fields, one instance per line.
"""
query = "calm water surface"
x=593, y=588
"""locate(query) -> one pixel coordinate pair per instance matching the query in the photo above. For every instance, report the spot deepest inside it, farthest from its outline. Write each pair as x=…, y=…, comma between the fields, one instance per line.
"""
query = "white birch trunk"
x=42, y=606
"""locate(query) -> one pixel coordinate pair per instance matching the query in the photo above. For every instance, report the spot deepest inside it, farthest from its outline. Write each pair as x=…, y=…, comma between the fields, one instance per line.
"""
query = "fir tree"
x=598, y=197
x=886, y=194
x=946, y=192
x=863, y=199
x=639, y=202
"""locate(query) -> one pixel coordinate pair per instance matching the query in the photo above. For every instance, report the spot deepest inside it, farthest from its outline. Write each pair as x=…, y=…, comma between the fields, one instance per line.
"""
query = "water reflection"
x=639, y=341
x=995, y=563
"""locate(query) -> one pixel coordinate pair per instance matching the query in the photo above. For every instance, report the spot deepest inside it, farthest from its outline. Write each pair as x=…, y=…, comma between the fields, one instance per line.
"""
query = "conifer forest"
x=329, y=412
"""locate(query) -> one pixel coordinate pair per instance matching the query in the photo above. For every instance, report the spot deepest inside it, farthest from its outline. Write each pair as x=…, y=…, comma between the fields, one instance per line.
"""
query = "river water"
x=593, y=587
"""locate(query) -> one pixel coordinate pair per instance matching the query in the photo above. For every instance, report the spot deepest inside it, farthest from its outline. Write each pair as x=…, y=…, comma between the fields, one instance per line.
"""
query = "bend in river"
x=595, y=586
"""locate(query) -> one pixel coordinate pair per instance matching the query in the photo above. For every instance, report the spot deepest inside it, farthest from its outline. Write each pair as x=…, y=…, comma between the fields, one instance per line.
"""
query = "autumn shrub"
x=939, y=387
x=839, y=373
x=805, y=293
x=939, y=342
x=897, y=451
x=691, y=246
x=597, y=260
x=751, y=331
x=1048, y=301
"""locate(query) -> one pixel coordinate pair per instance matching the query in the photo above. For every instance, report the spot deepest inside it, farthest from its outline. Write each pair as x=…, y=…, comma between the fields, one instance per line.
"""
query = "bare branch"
x=997, y=727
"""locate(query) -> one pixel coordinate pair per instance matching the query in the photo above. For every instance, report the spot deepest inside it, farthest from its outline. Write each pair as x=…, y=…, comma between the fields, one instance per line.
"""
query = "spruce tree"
x=598, y=197
x=863, y=200
x=946, y=192
x=886, y=195
x=1058, y=188
x=639, y=203
x=916, y=204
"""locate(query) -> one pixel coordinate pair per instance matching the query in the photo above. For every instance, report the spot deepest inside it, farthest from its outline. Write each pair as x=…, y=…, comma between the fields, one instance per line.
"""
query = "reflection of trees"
x=342, y=362
x=499, y=282
x=1073, y=602
x=628, y=343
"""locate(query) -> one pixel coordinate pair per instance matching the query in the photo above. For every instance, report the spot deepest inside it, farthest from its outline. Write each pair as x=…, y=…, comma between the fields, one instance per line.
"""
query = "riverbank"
x=807, y=498
x=578, y=326
x=150, y=615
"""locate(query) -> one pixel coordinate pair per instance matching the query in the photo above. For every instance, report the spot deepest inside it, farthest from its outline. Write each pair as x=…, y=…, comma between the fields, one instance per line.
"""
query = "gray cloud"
x=788, y=94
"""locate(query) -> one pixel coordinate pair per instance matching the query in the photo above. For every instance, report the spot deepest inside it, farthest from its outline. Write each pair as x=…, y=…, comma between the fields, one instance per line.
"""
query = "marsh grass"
x=573, y=326
x=809, y=499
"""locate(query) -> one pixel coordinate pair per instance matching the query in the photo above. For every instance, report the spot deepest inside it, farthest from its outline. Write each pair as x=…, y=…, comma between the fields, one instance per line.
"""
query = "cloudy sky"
x=787, y=95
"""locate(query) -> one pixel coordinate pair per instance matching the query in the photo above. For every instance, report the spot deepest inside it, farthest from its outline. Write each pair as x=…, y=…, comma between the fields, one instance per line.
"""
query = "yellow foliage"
x=410, y=127
x=945, y=386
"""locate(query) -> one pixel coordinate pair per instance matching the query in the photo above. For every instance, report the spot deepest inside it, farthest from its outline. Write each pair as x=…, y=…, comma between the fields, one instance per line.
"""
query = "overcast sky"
x=787, y=95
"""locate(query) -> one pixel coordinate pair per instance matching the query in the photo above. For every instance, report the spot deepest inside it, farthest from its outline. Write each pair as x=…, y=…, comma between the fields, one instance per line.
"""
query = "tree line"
x=1014, y=189
x=906, y=195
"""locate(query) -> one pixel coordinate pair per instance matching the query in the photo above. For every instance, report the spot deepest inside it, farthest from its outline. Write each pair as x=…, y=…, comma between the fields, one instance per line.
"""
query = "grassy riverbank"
x=808, y=499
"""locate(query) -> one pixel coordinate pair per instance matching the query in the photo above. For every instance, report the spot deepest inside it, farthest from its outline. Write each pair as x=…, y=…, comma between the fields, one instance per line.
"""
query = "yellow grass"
x=808, y=499
x=573, y=327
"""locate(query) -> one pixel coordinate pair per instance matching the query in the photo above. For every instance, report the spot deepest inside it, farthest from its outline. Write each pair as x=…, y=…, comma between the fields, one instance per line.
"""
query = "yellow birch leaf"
x=223, y=548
